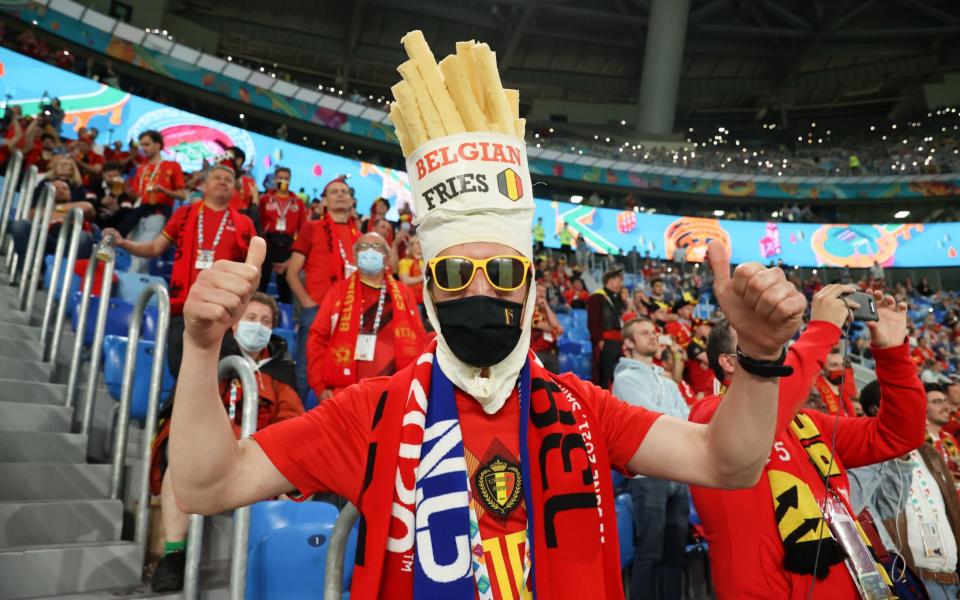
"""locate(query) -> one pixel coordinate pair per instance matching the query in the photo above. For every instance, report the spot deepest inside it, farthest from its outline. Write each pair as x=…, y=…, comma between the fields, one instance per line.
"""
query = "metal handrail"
x=141, y=529
x=104, y=252
x=33, y=266
x=241, y=517
x=6, y=196
x=24, y=202
x=333, y=571
x=73, y=219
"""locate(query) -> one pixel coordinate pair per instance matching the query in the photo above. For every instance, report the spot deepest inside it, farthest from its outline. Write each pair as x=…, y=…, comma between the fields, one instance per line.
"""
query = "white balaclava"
x=475, y=187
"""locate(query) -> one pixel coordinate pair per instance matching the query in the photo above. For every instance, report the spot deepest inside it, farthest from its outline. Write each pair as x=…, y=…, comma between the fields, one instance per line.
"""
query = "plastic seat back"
x=286, y=317
x=287, y=548
x=131, y=285
x=118, y=318
x=624, y=505
x=114, y=359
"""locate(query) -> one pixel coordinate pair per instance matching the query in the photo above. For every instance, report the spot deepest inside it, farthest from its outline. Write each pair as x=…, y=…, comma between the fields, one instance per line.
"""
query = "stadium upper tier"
x=915, y=160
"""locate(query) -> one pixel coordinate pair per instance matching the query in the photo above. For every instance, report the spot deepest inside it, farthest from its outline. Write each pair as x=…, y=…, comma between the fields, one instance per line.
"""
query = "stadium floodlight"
x=719, y=213
x=901, y=214
x=576, y=199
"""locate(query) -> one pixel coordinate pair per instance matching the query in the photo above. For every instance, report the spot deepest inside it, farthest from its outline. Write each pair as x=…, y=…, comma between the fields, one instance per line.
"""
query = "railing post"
x=82, y=310
x=75, y=219
x=6, y=196
x=241, y=516
x=32, y=267
x=105, y=252
x=153, y=401
x=333, y=571
x=24, y=202
x=231, y=365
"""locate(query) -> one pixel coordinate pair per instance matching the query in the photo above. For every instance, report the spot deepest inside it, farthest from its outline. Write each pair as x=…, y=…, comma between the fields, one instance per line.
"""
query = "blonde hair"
x=75, y=178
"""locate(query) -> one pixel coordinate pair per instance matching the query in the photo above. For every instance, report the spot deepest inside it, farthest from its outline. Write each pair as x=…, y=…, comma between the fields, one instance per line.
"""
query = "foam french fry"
x=457, y=79
x=490, y=80
x=407, y=102
x=521, y=128
x=513, y=101
x=428, y=110
x=420, y=53
x=469, y=63
x=403, y=136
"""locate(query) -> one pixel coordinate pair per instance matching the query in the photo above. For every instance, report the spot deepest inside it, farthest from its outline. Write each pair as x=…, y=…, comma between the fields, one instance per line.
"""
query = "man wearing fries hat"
x=477, y=472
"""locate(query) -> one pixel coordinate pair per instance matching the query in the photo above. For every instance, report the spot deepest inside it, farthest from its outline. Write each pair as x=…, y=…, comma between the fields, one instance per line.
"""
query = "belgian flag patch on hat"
x=510, y=184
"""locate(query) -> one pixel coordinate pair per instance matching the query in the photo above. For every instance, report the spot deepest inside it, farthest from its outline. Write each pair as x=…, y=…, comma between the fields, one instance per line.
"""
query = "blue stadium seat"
x=118, y=317
x=579, y=317
x=131, y=285
x=287, y=548
x=311, y=402
x=123, y=261
x=289, y=335
x=114, y=359
x=624, y=505
x=566, y=363
x=272, y=289
x=579, y=333
x=286, y=318
x=566, y=321
x=583, y=366
x=161, y=268
x=569, y=347
x=75, y=281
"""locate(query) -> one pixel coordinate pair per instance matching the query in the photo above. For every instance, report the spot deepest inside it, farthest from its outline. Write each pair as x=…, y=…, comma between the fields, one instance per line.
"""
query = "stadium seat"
x=131, y=285
x=272, y=289
x=311, y=402
x=287, y=548
x=161, y=268
x=289, y=335
x=583, y=366
x=114, y=359
x=624, y=506
x=286, y=318
x=579, y=317
x=566, y=321
x=123, y=261
x=566, y=362
x=75, y=281
x=118, y=317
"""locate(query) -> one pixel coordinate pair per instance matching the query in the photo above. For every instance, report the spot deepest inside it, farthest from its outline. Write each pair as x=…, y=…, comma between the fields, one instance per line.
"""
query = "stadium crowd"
x=884, y=454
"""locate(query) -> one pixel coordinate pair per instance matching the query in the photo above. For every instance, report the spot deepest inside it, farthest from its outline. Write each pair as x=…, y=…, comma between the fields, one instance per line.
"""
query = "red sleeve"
x=325, y=449
x=176, y=177
x=595, y=317
x=318, y=340
x=806, y=356
x=172, y=228
x=623, y=425
x=900, y=425
x=304, y=239
x=301, y=217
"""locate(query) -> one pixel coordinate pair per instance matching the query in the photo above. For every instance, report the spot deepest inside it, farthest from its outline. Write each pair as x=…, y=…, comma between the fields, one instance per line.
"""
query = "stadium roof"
x=746, y=57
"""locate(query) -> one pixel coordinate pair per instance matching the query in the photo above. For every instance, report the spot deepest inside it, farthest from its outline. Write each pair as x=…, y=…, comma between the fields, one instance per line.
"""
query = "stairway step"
x=24, y=370
x=20, y=348
x=11, y=314
x=42, y=447
x=19, y=331
x=53, y=481
x=31, y=571
x=22, y=416
x=16, y=390
x=214, y=585
x=59, y=521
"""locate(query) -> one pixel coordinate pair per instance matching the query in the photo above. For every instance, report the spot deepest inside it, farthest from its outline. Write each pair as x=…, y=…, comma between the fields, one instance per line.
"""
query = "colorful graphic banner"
x=627, y=175
x=191, y=139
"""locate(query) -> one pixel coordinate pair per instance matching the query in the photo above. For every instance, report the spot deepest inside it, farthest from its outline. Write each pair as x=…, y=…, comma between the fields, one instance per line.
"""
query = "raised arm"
x=766, y=311
x=211, y=470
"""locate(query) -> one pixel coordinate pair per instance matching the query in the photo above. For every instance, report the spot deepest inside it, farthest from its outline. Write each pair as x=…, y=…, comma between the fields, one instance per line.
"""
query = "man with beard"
x=833, y=374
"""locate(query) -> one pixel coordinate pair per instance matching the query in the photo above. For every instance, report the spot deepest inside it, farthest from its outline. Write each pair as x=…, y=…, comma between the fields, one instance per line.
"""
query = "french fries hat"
x=462, y=136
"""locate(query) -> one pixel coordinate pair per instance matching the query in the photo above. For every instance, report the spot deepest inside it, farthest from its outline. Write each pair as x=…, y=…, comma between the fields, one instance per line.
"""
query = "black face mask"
x=480, y=330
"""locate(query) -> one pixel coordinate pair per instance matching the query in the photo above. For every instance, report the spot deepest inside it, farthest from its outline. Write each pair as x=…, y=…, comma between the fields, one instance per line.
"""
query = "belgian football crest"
x=499, y=485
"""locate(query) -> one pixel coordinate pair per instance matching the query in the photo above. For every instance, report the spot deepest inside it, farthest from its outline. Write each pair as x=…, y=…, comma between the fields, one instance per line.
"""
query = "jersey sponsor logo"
x=500, y=486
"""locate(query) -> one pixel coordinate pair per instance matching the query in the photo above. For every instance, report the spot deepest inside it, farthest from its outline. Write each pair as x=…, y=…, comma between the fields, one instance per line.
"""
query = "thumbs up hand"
x=763, y=307
x=219, y=296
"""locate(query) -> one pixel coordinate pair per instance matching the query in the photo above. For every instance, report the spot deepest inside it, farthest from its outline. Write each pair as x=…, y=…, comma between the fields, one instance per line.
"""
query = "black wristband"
x=765, y=368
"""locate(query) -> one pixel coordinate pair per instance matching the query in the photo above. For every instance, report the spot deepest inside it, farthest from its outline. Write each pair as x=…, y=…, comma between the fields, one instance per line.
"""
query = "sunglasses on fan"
x=505, y=273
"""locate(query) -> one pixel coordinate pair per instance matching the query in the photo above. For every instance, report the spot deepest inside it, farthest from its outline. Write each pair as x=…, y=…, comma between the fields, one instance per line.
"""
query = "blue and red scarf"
x=415, y=530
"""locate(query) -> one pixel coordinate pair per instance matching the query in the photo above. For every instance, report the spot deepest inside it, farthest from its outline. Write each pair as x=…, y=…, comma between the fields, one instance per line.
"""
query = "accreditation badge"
x=860, y=562
x=366, y=346
x=204, y=259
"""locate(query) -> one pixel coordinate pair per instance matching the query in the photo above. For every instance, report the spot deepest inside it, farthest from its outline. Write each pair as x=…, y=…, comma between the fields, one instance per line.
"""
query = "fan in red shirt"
x=764, y=540
x=202, y=233
x=282, y=215
x=696, y=370
x=368, y=325
x=246, y=196
x=324, y=251
x=89, y=162
x=13, y=136
x=680, y=327
x=833, y=374
x=154, y=187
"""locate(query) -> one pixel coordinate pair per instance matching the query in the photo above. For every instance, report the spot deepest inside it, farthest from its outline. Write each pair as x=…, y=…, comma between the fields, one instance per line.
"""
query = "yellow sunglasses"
x=505, y=273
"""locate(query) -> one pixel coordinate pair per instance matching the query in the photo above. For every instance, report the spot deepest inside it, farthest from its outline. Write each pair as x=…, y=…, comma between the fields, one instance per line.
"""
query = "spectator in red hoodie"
x=770, y=540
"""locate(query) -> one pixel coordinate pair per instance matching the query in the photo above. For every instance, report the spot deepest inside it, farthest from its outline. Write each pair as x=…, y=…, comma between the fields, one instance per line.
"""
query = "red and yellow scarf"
x=340, y=364
x=571, y=518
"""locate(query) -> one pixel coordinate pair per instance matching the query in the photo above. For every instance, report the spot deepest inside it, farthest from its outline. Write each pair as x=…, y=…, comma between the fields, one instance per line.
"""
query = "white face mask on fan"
x=252, y=337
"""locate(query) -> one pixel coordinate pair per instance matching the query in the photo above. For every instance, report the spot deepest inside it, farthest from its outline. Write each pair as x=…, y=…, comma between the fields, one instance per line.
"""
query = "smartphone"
x=664, y=340
x=868, y=307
